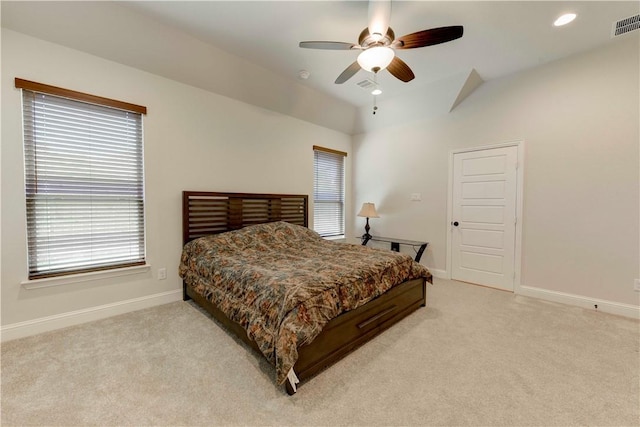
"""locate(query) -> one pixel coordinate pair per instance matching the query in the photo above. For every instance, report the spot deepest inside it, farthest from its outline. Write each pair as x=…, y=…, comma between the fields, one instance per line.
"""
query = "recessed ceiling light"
x=564, y=19
x=376, y=92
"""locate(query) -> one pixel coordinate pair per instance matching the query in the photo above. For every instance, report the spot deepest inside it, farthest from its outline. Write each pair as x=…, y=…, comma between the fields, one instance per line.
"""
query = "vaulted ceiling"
x=258, y=41
x=499, y=37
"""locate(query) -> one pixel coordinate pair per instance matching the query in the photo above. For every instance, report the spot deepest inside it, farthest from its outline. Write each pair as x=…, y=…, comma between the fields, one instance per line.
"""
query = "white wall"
x=194, y=140
x=147, y=44
x=580, y=120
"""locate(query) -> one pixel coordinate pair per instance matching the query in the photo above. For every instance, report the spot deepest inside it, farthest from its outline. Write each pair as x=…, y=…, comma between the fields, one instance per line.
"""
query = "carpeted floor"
x=474, y=356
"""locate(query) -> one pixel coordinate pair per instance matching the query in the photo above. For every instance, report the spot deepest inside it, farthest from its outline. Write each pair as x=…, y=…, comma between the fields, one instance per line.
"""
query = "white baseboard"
x=626, y=310
x=58, y=321
x=440, y=274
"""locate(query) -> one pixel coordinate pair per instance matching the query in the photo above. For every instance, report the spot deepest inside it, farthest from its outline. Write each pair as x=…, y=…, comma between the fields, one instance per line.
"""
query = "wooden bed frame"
x=207, y=213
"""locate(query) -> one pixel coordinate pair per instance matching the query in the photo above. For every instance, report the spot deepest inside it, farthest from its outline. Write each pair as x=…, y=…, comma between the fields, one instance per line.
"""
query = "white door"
x=484, y=217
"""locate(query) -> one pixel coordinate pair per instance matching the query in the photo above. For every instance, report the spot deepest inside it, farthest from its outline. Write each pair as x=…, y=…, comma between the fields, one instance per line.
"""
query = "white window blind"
x=328, y=192
x=84, y=185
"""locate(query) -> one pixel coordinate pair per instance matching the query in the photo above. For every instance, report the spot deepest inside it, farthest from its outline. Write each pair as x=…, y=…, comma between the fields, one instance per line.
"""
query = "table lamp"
x=368, y=211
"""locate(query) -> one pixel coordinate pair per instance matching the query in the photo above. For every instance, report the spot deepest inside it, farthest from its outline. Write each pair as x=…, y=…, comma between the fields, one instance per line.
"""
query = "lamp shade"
x=368, y=210
x=376, y=57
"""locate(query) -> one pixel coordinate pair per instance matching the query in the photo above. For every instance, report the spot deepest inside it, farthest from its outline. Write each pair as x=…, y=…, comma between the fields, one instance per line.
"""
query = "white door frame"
x=519, y=206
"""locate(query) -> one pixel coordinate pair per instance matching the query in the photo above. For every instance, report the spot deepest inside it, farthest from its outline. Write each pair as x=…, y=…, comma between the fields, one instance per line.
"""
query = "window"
x=328, y=192
x=83, y=181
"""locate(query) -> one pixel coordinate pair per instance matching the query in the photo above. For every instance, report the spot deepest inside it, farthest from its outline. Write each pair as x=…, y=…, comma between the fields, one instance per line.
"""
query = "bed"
x=252, y=263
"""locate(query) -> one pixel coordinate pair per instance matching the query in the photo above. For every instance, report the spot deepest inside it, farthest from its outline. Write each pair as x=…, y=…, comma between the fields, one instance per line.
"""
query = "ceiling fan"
x=377, y=43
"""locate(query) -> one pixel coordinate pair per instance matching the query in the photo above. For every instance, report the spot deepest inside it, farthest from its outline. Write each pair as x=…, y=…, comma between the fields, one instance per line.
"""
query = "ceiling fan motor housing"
x=366, y=40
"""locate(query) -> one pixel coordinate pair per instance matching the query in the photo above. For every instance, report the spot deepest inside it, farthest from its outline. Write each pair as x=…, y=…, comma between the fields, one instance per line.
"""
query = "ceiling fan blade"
x=400, y=70
x=349, y=72
x=328, y=45
x=363, y=36
x=429, y=37
x=379, y=17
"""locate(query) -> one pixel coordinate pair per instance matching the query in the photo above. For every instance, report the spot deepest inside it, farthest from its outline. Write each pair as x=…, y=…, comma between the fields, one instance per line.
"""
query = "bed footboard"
x=341, y=335
x=352, y=329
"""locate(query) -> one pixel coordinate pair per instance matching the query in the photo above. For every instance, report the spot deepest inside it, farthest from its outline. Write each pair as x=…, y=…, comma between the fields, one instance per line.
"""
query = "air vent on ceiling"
x=623, y=26
x=367, y=84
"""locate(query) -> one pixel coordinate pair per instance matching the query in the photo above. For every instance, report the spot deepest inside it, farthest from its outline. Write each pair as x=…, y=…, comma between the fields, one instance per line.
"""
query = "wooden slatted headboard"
x=205, y=213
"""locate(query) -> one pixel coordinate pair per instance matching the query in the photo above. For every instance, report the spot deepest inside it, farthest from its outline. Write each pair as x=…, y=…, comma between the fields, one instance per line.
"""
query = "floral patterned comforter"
x=282, y=283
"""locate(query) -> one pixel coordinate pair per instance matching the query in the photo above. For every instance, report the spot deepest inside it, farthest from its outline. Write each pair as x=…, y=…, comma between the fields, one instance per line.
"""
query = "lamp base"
x=366, y=236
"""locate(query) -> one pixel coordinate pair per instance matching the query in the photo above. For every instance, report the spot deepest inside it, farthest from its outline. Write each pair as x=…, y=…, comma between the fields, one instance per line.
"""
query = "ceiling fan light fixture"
x=376, y=57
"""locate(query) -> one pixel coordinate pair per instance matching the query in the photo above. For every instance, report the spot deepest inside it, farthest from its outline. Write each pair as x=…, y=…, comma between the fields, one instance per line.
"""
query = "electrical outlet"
x=162, y=273
x=636, y=285
x=416, y=197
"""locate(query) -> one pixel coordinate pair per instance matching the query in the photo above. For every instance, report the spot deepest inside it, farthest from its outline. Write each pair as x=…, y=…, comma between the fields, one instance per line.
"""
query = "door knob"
x=454, y=223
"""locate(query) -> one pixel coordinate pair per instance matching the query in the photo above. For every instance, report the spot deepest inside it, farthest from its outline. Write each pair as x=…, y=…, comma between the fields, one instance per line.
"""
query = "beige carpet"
x=474, y=356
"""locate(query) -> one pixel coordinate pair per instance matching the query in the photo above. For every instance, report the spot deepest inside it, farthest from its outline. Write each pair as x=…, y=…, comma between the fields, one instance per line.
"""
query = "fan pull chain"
x=375, y=83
